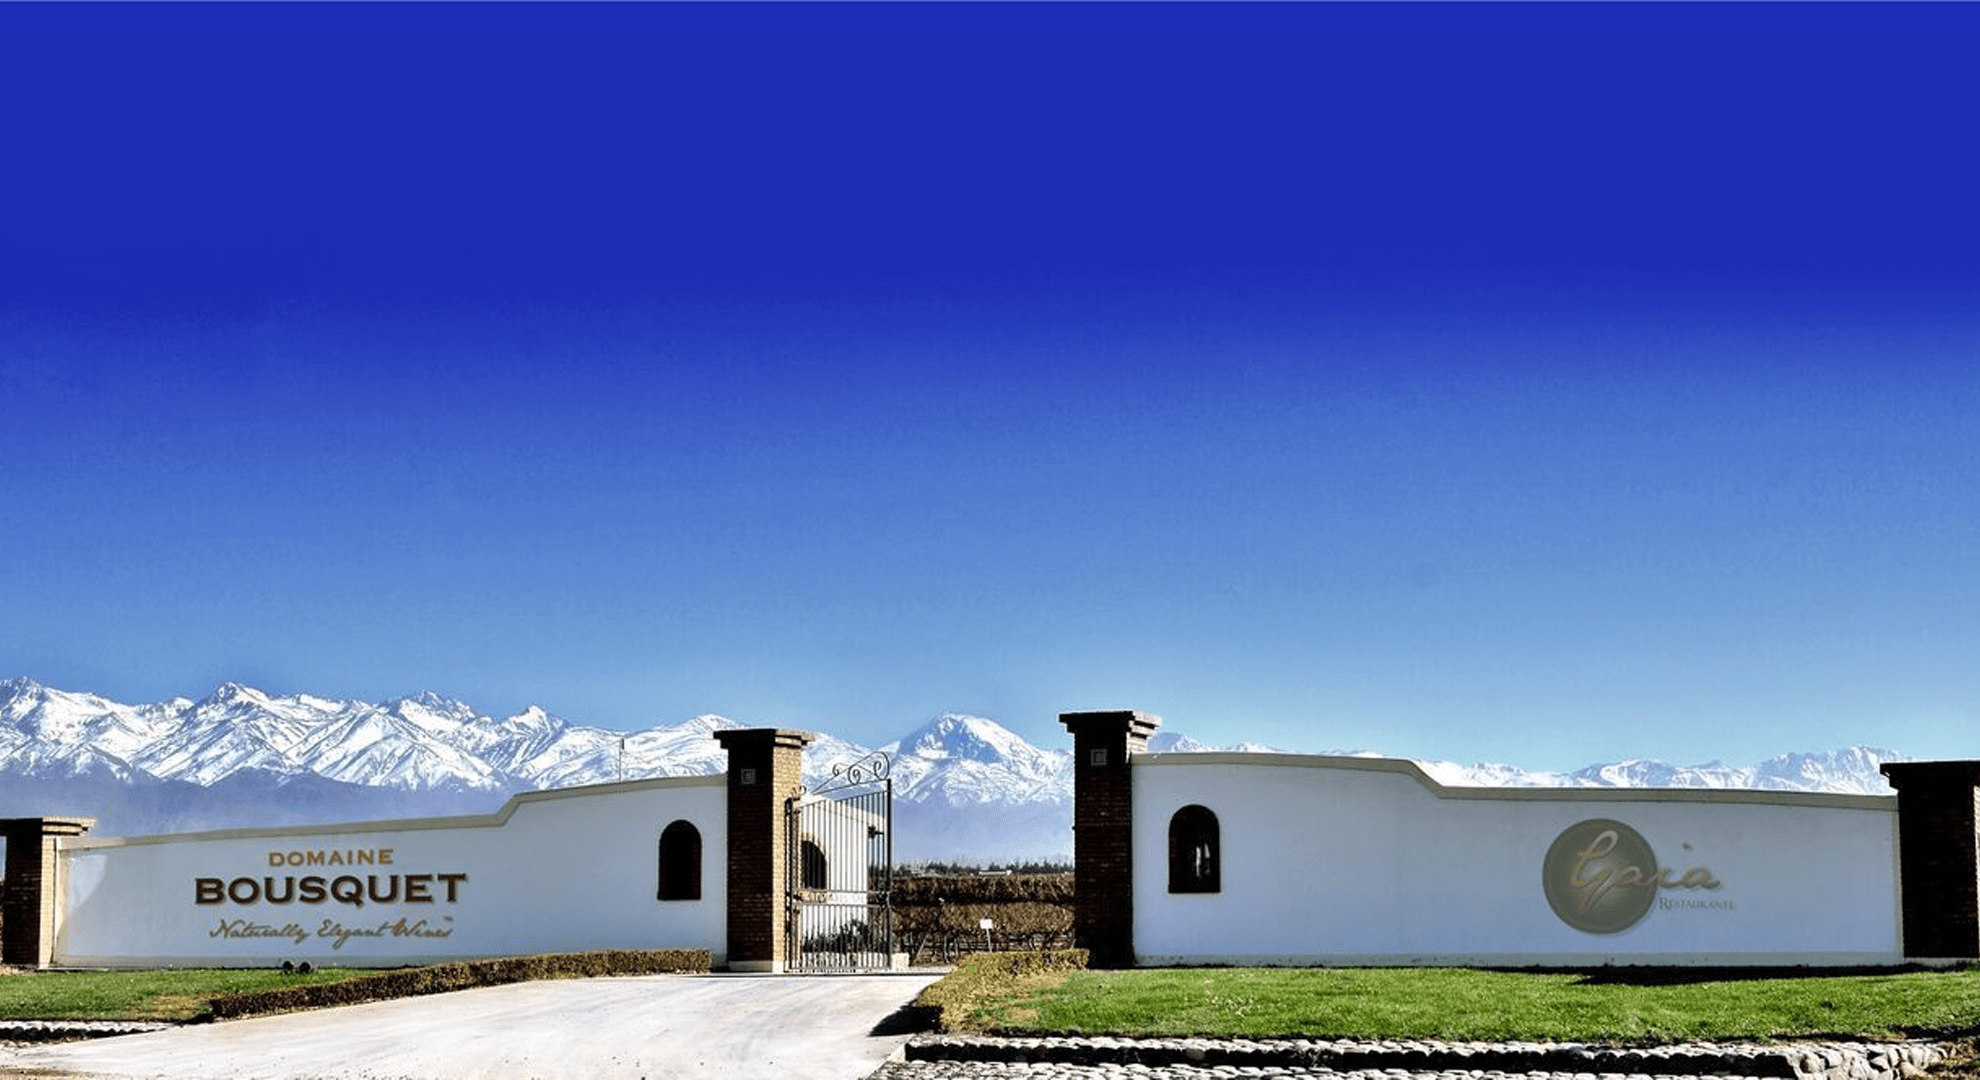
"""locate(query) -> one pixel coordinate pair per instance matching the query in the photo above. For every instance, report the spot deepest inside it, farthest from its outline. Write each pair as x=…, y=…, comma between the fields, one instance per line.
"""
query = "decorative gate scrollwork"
x=839, y=870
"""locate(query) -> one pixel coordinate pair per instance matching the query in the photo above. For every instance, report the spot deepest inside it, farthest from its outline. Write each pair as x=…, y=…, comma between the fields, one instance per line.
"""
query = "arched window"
x=814, y=865
x=1193, y=854
x=680, y=862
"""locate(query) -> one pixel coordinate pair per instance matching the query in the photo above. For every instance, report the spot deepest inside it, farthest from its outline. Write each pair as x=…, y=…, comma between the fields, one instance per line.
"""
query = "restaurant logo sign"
x=1601, y=877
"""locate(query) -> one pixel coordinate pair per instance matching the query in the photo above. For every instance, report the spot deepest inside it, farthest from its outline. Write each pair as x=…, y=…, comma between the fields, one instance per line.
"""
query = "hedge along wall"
x=553, y=871
x=1327, y=860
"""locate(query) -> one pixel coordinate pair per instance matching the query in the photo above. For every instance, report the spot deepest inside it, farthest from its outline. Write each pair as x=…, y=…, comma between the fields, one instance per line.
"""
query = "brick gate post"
x=766, y=768
x=1939, y=857
x=29, y=906
x=1103, y=830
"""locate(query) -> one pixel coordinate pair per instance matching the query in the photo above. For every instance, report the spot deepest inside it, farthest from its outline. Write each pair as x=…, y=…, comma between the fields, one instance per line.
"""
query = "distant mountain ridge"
x=1851, y=771
x=967, y=788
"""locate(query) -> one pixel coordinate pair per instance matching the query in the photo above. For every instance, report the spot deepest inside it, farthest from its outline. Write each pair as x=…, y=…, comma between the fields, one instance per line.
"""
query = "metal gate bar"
x=839, y=869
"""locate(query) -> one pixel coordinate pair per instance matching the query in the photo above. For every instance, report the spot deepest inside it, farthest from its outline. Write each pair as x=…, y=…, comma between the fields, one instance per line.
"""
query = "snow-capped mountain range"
x=966, y=788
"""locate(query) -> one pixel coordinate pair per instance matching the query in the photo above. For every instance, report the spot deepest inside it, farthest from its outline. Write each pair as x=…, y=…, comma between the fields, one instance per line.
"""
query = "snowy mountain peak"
x=1175, y=742
x=228, y=693
x=428, y=699
x=954, y=735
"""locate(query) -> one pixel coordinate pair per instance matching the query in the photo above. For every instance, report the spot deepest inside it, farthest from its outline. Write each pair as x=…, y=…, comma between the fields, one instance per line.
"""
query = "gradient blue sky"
x=1542, y=384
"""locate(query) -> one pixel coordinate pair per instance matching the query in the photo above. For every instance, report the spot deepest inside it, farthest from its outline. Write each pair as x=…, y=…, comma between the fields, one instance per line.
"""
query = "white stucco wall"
x=1368, y=861
x=553, y=871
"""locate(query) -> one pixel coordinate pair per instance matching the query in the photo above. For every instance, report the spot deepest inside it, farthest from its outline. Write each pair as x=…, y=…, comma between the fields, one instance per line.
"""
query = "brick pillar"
x=28, y=906
x=1103, y=830
x=766, y=768
x=1939, y=856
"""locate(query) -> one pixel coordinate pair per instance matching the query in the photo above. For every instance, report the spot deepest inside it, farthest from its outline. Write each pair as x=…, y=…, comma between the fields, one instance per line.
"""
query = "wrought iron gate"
x=839, y=871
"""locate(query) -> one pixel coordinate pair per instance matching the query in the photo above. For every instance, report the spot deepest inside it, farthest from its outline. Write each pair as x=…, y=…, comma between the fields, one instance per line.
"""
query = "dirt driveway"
x=793, y=1027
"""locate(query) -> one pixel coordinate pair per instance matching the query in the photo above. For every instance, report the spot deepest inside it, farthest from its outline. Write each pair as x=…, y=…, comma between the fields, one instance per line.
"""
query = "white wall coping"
x=1411, y=769
x=460, y=821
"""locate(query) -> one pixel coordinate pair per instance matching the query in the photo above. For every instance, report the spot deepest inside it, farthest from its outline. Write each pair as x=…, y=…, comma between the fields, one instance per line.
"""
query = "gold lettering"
x=1601, y=846
x=347, y=890
x=242, y=928
x=1698, y=877
x=402, y=928
x=333, y=857
x=1593, y=889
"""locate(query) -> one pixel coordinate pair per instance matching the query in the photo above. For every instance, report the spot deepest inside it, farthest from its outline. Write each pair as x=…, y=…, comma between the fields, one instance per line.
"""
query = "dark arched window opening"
x=814, y=865
x=680, y=862
x=1193, y=854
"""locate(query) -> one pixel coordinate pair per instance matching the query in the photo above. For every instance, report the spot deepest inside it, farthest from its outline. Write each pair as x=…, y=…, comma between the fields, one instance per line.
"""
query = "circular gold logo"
x=1600, y=876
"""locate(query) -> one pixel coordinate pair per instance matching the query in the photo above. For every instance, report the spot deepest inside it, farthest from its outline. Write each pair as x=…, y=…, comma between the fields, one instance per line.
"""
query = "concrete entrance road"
x=678, y=1027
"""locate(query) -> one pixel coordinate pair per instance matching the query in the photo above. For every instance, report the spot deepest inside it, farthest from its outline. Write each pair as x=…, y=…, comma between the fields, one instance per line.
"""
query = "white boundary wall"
x=552, y=871
x=1337, y=860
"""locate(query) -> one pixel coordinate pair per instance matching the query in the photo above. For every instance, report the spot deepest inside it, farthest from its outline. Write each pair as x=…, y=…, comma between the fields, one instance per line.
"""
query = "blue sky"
x=1543, y=384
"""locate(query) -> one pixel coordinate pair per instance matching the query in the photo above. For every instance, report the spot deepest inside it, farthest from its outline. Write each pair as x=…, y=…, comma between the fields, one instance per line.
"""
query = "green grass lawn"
x=177, y=994
x=189, y=993
x=1463, y=1004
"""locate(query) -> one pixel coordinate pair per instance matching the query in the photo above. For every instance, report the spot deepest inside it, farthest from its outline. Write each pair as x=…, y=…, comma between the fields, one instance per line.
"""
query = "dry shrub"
x=966, y=998
x=1015, y=918
x=941, y=917
x=985, y=889
x=442, y=978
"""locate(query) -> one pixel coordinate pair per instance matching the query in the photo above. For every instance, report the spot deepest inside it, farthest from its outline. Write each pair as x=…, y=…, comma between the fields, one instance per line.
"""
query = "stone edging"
x=1782, y=1061
x=60, y=1030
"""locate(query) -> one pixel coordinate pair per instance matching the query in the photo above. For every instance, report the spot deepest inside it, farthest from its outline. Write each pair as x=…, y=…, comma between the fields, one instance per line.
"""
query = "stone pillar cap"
x=792, y=737
x=1931, y=772
x=1130, y=720
x=46, y=826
